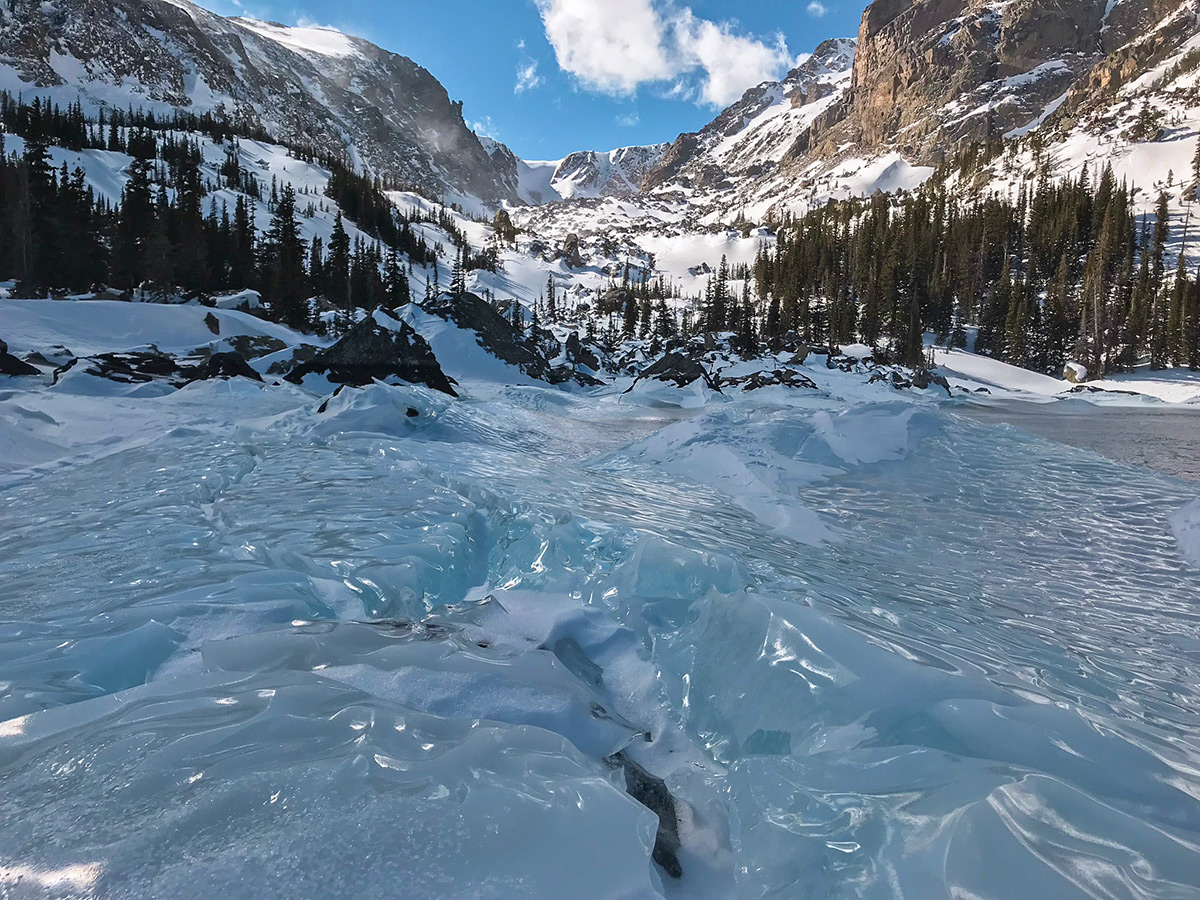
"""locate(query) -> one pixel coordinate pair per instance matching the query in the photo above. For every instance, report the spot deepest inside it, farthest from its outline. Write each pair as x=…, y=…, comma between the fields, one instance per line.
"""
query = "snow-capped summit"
x=589, y=174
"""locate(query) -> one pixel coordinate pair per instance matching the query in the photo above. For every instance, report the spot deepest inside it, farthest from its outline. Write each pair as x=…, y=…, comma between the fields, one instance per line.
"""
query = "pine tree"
x=336, y=284
x=282, y=263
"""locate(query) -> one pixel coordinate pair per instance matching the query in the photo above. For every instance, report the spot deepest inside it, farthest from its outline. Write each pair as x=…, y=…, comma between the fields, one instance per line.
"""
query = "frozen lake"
x=875, y=648
x=1164, y=438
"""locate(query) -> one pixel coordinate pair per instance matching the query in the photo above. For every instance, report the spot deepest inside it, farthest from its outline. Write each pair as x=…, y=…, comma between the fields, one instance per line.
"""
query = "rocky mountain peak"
x=313, y=87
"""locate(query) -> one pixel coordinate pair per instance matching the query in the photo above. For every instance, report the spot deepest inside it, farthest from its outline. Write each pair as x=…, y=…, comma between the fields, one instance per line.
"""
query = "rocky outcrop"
x=783, y=377
x=224, y=365
x=379, y=347
x=135, y=367
x=578, y=354
x=10, y=365
x=677, y=369
x=496, y=335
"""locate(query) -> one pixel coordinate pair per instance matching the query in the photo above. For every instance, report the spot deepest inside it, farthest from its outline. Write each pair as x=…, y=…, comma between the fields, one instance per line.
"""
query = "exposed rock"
x=381, y=346
x=223, y=365
x=924, y=379
x=774, y=378
x=302, y=354
x=1092, y=389
x=138, y=367
x=580, y=355
x=213, y=323
x=10, y=365
x=678, y=370
x=652, y=793
x=569, y=252
x=1076, y=373
x=254, y=346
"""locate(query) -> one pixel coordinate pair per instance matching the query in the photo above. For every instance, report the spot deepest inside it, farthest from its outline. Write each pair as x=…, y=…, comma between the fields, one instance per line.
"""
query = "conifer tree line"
x=169, y=232
x=1063, y=272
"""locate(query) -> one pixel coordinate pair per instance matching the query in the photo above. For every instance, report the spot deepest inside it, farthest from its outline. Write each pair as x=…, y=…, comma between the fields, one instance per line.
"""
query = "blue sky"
x=548, y=77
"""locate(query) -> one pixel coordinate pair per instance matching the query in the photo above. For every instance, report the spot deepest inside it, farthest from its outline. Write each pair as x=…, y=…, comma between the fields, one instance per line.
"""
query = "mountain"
x=313, y=87
x=589, y=174
x=1066, y=83
x=750, y=137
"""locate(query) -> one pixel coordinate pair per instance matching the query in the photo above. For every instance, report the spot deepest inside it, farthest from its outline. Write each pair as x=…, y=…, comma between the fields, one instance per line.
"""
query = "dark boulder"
x=10, y=365
x=924, y=380
x=223, y=365
x=213, y=323
x=580, y=355
x=301, y=354
x=379, y=347
x=678, y=370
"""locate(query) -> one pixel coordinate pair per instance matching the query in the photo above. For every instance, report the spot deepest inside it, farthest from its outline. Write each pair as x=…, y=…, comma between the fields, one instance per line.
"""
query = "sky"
x=549, y=77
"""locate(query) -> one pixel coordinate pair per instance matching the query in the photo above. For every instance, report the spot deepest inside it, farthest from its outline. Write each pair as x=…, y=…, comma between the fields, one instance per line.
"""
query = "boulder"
x=301, y=354
x=223, y=365
x=1076, y=373
x=580, y=355
x=381, y=346
x=213, y=323
x=678, y=370
x=925, y=379
x=10, y=365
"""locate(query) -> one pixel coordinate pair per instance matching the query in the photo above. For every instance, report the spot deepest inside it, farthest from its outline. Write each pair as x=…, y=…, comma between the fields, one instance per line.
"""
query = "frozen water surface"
x=873, y=649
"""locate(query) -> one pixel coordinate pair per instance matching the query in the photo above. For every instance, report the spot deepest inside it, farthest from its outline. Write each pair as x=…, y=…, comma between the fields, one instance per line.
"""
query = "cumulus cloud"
x=616, y=46
x=817, y=9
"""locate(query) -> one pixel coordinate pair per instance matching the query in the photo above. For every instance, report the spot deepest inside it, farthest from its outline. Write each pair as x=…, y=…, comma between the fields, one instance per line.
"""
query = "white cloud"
x=629, y=120
x=730, y=63
x=527, y=76
x=817, y=9
x=616, y=46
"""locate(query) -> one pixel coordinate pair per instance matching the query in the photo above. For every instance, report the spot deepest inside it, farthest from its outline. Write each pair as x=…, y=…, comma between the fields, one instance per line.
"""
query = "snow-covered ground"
x=872, y=648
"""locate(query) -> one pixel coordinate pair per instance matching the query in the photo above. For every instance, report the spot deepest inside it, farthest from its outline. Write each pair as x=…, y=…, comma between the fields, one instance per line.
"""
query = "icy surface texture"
x=281, y=644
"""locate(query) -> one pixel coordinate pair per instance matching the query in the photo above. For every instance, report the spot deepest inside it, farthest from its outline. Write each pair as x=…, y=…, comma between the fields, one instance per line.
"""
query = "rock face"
x=580, y=355
x=135, y=367
x=752, y=136
x=309, y=86
x=930, y=74
x=379, y=347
